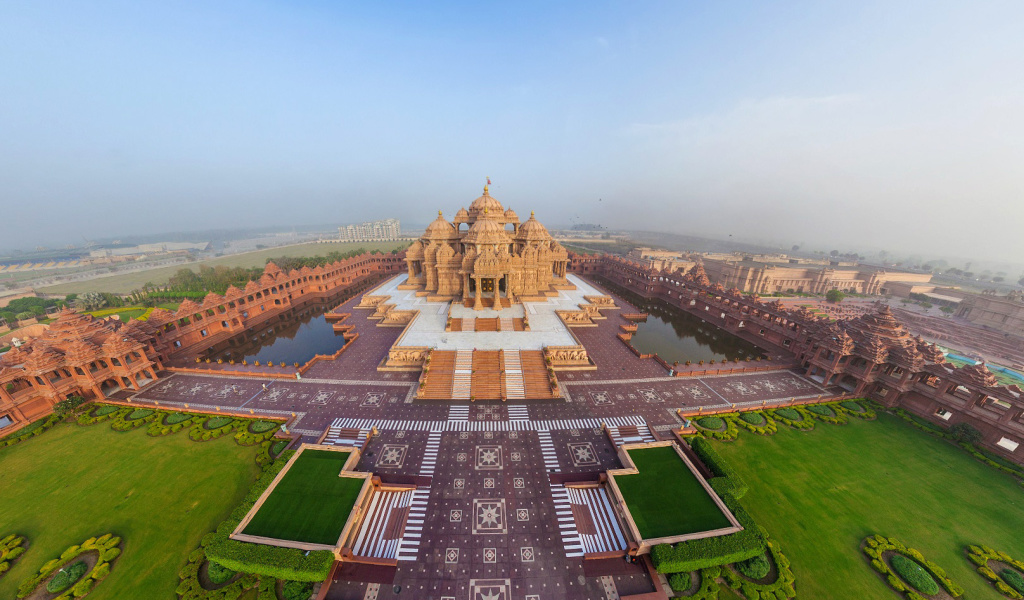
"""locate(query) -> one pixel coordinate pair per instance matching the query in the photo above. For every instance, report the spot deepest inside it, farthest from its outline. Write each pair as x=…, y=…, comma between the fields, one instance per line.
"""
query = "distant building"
x=662, y=260
x=1002, y=313
x=371, y=231
x=749, y=275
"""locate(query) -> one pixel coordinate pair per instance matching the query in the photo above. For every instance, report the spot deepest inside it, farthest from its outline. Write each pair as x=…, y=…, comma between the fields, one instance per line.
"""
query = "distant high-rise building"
x=371, y=231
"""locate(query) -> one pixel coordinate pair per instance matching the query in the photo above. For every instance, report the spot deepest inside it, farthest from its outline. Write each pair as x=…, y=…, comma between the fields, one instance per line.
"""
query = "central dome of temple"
x=486, y=231
x=486, y=206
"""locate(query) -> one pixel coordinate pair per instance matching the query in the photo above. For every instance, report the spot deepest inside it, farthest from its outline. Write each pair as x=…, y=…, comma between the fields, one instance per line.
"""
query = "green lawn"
x=160, y=494
x=821, y=492
x=126, y=282
x=665, y=497
x=310, y=503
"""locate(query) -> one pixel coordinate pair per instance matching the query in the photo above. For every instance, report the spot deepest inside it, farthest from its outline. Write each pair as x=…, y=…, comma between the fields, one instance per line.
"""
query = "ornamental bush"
x=11, y=547
x=297, y=590
x=218, y=575
x=822, y=410
x=680, y=582
x=270, y=561
x=1014, y=579
x=67, y=577
x=104, y=410
x=139, y=413
x=218, y=422
x=754, y=418
x=175, y=418
x=914, y=574
x=788, y=413
x=715, y=423
x=755, y=568
x=852, y=405
x=263, y=426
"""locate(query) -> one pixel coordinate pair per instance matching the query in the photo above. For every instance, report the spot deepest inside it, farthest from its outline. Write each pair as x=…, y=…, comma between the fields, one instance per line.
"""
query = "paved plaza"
x=489, y=518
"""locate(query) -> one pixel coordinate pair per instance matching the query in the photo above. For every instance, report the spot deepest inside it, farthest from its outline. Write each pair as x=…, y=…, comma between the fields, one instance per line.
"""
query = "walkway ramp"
x=596, y=523
x=383, y=527
x=513, y=367
x=462, y=378
x=629, y=434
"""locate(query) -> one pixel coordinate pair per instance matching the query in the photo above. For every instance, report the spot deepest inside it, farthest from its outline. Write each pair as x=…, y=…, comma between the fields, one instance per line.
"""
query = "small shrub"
x=1014, y=579
x=175, y=418
x=680, y=582
x=278, y=447
x=67, y=577
x=297, y=590
x=218, y=574
x=914, y=574
x=965, y=433
x=263, y=426
x=755, y=568
x=754, y=418
x=819, y=409
x=852, y=405
x=715, y=423
x=104, y=410
x=218, y=422
x=139, y=413
x=788, y=413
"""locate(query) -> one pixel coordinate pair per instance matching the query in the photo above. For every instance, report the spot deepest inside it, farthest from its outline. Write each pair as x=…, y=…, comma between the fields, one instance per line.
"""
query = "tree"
x=68, y=406
x=946, y=309
x=796, y=247
x=965, y=433
x=834, y=253
x=835, y=296
x=998, y=279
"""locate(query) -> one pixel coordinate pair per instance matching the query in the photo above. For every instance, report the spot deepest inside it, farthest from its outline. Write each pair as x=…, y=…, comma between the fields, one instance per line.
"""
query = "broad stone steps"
x=514, y=387
x=462, y=379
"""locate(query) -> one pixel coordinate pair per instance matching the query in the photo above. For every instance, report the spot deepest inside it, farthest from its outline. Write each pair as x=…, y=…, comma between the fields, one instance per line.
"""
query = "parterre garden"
x=92, y=507
x=870, y=504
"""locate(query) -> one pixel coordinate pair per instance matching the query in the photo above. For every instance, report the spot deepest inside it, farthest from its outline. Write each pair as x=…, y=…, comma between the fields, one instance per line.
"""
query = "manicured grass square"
x=666, y=498
x=311, y=503
x=820, y=493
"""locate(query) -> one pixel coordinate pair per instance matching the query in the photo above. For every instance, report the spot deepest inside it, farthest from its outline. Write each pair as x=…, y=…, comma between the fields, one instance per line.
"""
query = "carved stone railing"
x=566, y=356
x=407, y=356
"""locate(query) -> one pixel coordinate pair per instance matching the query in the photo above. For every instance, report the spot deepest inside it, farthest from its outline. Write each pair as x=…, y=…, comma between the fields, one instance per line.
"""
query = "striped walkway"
x=566, y=523
x=341, y=436
x=518, y=412
x=547, y=450
x=430, y=454
x=598, y=528
x=381, y=531
x=409, y=547
x=458, y=412
x=510, y=425
x=630, y=434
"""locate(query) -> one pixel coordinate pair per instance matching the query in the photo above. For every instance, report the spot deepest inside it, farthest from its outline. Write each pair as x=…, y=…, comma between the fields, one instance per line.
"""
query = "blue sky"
x=840, y=125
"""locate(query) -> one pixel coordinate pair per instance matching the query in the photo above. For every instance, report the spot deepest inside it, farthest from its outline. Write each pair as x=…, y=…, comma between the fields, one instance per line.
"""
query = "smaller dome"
x=486, y=231
x=462, y=215
x=439, y=228
x=533, y=230
x=511, y=216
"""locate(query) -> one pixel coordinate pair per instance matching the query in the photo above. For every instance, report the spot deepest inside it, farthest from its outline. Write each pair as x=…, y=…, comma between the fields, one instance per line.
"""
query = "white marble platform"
x=427, y=329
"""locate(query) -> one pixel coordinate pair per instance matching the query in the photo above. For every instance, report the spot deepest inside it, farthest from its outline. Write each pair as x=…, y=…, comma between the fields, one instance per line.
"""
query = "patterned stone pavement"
x=485, y=521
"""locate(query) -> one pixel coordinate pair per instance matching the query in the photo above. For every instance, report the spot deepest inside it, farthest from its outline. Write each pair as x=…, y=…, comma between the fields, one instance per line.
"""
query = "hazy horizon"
x=836, y=126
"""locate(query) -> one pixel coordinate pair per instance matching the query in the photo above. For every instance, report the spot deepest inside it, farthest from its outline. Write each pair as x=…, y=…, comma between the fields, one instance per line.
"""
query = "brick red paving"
x=487, y=471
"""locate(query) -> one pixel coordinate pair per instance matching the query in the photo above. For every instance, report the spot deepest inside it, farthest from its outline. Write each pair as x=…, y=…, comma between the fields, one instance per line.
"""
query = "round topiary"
x=789, y=413
x=680, y=582
x=175, y=418
x=104, y=410
x=218, y=422
x=755, y=568
x=852, y=405
x=67, y=577
x=263, y=426
x=819, y=409
x=914, y=574
x=754, y=418
x=139, y=413
x=218, y=574
x=1014, y=579
x=711, y=422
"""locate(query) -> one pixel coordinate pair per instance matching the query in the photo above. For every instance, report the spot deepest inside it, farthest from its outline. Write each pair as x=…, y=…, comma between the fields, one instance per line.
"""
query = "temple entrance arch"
x=110, y=386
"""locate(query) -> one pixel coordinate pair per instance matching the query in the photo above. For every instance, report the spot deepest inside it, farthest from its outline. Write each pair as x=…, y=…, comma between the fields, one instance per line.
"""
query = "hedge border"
x=783, y=586
x=725, y=479
x=189, y=587
x=12, y=547
x=697, y=554
x=769, y=427
x=873, y=548
x=108, y=548
x=21, y=435
x=806, y=424
x=980, y=555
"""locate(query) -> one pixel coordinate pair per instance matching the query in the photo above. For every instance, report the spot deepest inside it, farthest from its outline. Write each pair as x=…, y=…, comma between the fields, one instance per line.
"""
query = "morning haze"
x=801, y=123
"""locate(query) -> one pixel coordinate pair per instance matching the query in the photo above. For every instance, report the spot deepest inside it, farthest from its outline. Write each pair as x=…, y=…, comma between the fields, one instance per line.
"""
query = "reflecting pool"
x=676, y=335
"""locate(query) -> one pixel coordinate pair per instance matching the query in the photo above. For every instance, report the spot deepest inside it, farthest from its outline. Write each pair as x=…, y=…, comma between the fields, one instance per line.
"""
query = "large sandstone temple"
x=495, y=260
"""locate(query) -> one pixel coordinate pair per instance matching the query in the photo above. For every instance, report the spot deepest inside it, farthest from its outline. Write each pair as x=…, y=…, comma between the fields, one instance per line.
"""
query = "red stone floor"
x=490, y=530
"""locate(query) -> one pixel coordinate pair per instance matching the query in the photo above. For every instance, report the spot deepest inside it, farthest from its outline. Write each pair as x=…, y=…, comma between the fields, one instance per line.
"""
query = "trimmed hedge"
x=218, y=575
x=876, y=546
x=263, y=426
x=692, y=555
x=796, y=417
x=33, y=429
x=103, y=546
x=914, y=574
x=753, y=418
x=296, y=590
x=1008, y=582
x=755, y=568
x=65, y=578
x=139, y=413
x=11, y=548
x=218, y=422
x=726, y=480
x=781, y=587
x=715, y=423
x=189, y=588
x=175, y=418
x=680, y=582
